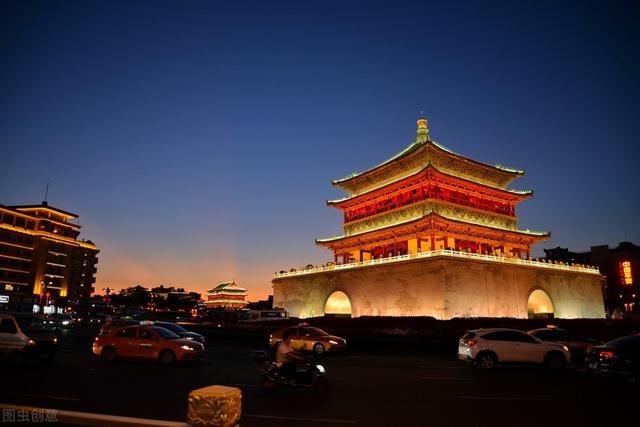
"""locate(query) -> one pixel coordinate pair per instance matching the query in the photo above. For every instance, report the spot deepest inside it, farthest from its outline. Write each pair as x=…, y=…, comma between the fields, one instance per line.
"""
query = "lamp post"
x=107, y=291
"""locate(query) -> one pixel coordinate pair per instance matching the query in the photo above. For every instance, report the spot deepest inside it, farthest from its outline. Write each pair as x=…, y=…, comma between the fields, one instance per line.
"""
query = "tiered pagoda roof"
x=427, y=161
x=417, y=156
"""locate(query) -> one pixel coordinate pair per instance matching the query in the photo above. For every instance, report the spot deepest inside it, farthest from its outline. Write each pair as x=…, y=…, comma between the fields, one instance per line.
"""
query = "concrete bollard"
x=216, y=405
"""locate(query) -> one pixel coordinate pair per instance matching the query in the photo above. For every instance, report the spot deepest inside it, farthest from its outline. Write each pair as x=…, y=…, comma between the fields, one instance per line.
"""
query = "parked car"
x=25, y=336
x=578, y=346
x=620, y=357
x=146, y=342
x=307, y=338
x=92, y=320
x=182, y=332
x=59, y=321
x=485, y=348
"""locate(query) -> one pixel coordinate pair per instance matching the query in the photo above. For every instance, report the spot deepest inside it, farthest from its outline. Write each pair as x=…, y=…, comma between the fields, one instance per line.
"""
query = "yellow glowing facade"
x=41, y=257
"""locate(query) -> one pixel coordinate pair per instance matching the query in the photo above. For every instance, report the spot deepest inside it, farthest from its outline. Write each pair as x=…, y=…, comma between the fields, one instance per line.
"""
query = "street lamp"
x=107, y=291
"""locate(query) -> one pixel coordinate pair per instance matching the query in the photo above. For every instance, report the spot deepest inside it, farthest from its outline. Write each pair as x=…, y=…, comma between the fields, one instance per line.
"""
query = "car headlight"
x=565, y=348
x=333, y=342
x=55, y=340
x=31, y=342
x=186, y=347
x=320, y=368
x=65, y=322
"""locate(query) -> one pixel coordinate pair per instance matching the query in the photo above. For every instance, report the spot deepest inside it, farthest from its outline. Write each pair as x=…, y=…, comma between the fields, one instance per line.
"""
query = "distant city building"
x=174, y=298
x=620, y=266
x=261, y=304
x=42, y=262
x=430, y=232
x=227, y=295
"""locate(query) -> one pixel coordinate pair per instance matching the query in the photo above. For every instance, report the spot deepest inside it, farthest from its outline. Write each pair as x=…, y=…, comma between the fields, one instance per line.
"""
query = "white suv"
x=486, y=347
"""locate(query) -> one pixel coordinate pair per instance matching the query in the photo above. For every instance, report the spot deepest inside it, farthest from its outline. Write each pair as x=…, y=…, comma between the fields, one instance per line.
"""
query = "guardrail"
x=30, y=415
x=441, y=253
x=213, y=406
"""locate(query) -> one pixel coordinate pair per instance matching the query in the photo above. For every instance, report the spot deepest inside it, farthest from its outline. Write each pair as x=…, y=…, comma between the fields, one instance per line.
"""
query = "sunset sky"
x=197, y=140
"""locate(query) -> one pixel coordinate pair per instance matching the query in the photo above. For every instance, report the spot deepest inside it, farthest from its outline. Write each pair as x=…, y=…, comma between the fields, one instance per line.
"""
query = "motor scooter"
x=308, y=375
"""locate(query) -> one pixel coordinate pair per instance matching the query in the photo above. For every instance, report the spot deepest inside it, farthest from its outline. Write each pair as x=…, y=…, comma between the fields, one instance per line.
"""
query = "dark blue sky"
x=197, y=140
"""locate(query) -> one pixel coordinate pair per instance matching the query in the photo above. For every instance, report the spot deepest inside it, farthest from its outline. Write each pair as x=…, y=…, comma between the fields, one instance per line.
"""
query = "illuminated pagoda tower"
x=227, y=295
x=428, y=198
x=432, y=233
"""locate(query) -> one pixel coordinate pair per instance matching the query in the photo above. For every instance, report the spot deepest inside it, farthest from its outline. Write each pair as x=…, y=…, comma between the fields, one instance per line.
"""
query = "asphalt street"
x=368, y=387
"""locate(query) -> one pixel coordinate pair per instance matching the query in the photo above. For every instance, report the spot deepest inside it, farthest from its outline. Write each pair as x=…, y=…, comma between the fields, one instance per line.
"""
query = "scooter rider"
x=286, y=357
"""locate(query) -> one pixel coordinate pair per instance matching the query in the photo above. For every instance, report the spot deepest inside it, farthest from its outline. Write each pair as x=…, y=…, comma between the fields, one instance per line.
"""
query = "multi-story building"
x=619, y=265
x=42, y=261
x=227, y=295
x=430, y=232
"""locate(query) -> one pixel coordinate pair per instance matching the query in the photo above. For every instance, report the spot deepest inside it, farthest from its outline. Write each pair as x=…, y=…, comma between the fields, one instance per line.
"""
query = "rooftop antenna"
x=46, y=194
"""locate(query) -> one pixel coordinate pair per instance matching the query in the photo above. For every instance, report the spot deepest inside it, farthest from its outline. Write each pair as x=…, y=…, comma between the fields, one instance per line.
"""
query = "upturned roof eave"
x=525, y=194
x=543, y=235
x=411, y=148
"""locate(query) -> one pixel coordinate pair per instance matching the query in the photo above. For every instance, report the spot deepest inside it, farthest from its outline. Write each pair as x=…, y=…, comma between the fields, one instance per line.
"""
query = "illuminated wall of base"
x=444, y=288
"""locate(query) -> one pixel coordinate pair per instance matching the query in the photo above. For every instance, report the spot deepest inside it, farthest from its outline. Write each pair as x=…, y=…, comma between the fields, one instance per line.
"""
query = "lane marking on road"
x=535, y=399
x=441, y=367
x=311, y=420
x=69, y=351
x=45, y=396
x=445, y=378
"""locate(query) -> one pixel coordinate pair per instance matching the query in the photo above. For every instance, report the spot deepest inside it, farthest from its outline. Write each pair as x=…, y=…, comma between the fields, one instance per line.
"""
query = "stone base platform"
x=443, y=284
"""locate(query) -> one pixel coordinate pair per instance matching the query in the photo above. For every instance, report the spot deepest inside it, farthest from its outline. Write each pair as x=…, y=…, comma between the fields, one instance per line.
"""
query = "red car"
x=146, y=342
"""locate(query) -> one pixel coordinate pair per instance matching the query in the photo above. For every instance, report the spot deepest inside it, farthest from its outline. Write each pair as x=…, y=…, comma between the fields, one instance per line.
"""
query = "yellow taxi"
x=308, y=338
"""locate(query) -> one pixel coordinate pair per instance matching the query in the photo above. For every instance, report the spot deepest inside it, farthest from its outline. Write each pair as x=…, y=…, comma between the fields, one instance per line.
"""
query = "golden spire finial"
x=423, y=130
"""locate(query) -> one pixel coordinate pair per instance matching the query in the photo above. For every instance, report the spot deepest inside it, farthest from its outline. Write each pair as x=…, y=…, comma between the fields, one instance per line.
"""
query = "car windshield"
x=165, y=333
x=31, y=324
x=315, y=332
x=172, y=327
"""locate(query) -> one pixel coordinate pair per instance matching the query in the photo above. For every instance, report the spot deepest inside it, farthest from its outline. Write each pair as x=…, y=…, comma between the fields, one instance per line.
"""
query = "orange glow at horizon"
x=196, y=271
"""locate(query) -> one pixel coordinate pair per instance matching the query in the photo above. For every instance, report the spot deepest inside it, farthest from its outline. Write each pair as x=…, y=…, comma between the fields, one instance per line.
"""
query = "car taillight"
x=470, y=343
x=606, y=355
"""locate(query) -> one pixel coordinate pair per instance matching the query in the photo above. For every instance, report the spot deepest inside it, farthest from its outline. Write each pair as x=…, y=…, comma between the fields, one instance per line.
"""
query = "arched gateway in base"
x=338, y=303
x=540, y=305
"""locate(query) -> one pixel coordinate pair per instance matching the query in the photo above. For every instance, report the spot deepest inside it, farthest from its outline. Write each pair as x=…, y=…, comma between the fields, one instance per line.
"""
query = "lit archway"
x=338, y=303
x=539, y=305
